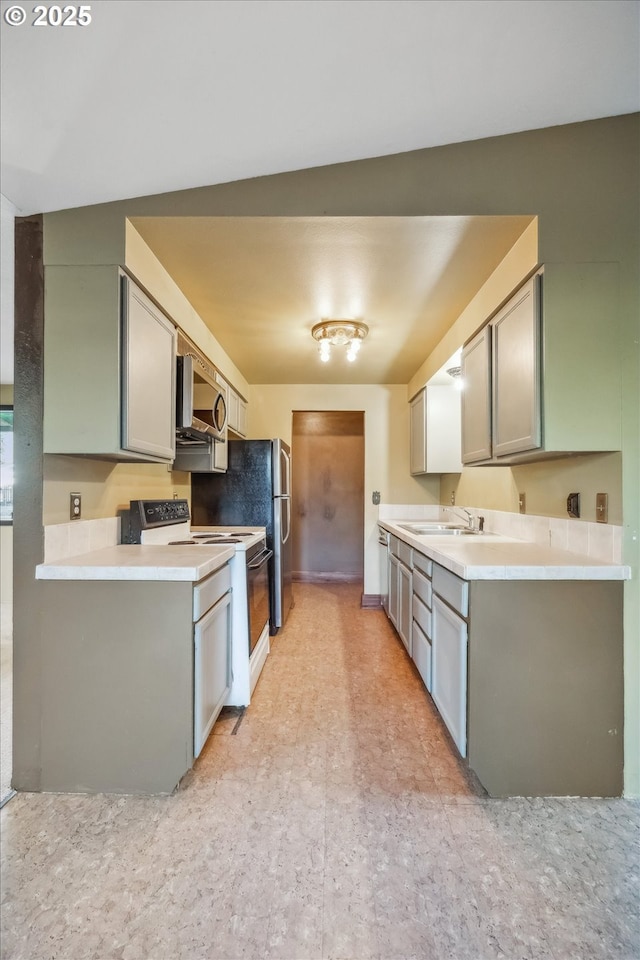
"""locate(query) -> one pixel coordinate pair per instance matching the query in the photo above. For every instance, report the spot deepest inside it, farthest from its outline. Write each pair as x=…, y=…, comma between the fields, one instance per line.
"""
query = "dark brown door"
x=328, y=495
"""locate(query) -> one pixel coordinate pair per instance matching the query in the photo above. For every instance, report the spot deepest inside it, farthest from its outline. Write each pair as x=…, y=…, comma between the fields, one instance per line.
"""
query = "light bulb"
x=352, y=352
x=325, y=351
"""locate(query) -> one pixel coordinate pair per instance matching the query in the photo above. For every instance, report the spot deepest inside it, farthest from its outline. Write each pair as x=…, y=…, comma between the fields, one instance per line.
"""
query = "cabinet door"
x=476, y=398
x=242, y=417
x=384, y=577
x=418, y=423
x=449, y=671
x=393, y=589
x=516, y=373
x=404, y=605
x=148, y=376
x=212, y=669
x=421, y=653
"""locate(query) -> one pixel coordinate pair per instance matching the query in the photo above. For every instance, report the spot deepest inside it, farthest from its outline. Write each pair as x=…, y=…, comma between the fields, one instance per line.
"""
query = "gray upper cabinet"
x=516, y=372
x=476, y=398
x=148, y=376
x=109, y=370
x=501, y=378
x=542, y=378
x=435, y=430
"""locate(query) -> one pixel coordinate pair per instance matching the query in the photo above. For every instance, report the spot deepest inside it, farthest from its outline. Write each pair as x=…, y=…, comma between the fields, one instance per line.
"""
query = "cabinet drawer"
x=422, y=563
x=422, y=586
x=209, y=591
x=405, y=553
x=421, y=647
x=451, y=588
x=422, y=615
x=394, y=545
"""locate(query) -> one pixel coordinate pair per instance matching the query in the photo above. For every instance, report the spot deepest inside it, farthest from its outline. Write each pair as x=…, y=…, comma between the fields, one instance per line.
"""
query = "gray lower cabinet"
x=527, y=676
x=399, y=609
x=212, y=653
x=117, y=684
x=545, y=713
x=404, y=605
x=449, y=671
x=392, y=611
x=422, y=621
x=109, y=367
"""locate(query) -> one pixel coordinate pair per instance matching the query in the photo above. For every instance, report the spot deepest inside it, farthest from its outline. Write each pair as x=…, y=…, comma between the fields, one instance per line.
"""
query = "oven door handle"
x=258, y=561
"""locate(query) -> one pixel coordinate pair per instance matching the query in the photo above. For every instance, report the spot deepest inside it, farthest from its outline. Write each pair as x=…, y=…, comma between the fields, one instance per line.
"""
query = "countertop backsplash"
x=62, y=540
x=599, y=541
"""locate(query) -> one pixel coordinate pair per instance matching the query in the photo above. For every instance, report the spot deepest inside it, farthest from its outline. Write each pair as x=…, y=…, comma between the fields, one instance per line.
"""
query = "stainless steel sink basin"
x=437, y=529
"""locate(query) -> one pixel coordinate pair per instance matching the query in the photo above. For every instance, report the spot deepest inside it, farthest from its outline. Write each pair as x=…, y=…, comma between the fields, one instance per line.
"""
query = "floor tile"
x=332, y=820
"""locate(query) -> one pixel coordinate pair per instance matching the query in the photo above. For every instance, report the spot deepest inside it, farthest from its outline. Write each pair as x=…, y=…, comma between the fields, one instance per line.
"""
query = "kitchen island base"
x=117, y=686
x=546, y=687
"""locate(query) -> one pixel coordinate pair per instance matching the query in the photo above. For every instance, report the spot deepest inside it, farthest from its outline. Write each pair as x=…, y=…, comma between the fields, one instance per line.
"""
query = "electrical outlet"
x=602, y=507
x=453, y=498
x=75, y=506
x=522, y=502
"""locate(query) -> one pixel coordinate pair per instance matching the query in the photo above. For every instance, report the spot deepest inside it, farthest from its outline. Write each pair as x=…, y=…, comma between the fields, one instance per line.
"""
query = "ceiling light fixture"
x=339, y=333
x=456, y=375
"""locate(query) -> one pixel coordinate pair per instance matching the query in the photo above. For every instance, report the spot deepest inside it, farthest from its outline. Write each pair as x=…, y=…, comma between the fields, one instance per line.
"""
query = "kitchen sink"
x=438, y=529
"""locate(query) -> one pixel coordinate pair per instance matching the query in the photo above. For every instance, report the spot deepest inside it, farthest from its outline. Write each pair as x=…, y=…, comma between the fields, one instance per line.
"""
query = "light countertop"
x=490, y=556
x=134, y=562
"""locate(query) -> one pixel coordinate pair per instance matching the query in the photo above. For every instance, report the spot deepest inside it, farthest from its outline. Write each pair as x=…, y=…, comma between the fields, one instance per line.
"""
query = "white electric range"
x=166, y=522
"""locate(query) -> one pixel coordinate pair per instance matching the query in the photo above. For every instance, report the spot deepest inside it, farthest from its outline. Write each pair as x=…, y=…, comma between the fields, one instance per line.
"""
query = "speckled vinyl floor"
x=335, y=823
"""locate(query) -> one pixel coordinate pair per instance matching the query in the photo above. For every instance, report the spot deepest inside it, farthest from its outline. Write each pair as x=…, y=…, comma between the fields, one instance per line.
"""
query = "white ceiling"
x=158, y=96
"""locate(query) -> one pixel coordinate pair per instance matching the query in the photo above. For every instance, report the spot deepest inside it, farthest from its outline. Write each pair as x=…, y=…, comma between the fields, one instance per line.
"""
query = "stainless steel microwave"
x=201, y=408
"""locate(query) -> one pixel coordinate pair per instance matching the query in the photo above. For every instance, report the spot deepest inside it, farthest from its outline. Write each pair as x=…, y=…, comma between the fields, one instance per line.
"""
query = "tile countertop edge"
x=553, y=566
x=150, y=563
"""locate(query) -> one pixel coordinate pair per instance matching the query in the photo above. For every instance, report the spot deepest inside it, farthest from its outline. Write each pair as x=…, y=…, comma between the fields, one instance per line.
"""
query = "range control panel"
x=146, y=514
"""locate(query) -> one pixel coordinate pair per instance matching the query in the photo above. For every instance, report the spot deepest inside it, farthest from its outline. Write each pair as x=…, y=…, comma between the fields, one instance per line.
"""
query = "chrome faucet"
x=468, y=518
x=474, y=522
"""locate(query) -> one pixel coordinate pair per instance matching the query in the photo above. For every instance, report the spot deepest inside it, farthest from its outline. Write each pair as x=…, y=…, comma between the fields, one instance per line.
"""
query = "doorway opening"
x=328, y=495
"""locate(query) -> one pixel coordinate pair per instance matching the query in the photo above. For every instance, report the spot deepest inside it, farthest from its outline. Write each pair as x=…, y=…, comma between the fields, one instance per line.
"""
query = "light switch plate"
x=522, y=502
x=602, y=507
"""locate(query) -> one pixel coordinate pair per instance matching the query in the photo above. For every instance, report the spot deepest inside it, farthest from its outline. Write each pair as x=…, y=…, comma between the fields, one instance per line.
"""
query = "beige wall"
x=546, y=486
x=518, y=264
x=147, y=269
x=106, y=487
x=386, y=444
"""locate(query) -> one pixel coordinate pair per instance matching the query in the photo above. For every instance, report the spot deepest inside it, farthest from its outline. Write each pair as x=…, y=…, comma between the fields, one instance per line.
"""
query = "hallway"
x=332, y=820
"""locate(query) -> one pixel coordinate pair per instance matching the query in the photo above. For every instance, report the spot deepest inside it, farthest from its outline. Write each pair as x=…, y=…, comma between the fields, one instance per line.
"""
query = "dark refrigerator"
x=254, y=491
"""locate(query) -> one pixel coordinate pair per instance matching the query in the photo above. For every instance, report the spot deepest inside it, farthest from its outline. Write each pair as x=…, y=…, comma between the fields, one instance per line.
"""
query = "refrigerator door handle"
x=286, y=518
x=286, y=473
